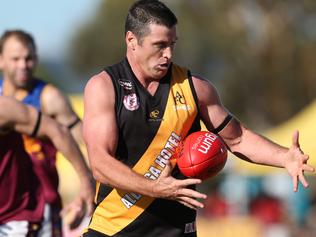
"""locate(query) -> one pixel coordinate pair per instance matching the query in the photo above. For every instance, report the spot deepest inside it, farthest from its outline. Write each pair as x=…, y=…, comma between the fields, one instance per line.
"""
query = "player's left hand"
x=87, y=193
x=296, y=163
x=82, y=206
x=73, y=213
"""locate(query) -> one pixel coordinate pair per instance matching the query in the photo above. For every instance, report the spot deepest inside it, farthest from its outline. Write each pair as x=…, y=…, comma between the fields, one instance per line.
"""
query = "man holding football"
x=137, y=111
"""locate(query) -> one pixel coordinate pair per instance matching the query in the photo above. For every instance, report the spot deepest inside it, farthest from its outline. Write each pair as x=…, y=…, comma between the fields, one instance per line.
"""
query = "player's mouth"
x=163, y=66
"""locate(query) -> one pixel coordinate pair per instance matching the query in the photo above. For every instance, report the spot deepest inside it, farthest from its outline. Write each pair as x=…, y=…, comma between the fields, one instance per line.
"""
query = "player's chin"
x=160, y=72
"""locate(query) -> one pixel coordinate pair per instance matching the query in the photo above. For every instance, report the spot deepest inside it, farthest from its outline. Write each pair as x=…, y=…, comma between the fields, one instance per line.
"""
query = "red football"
x=202, y=155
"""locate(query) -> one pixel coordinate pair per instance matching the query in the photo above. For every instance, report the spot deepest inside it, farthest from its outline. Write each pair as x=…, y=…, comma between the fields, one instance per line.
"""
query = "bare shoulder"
x=99, y=88
x=99, y=82
x=51, y=92
x=99, y=107
x=205, y=90
x=212, y=110
x=54, y=102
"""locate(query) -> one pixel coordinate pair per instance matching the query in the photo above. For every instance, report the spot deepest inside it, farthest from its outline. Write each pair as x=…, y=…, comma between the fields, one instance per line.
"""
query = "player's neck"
x=150, y=84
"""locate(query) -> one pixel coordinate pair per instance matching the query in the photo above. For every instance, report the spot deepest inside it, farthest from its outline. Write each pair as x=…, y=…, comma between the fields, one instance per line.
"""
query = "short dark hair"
x=144, y=12
x=26, y=38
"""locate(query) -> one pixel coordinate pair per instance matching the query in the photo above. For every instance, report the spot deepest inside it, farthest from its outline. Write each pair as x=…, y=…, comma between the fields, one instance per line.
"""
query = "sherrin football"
x=202, y=155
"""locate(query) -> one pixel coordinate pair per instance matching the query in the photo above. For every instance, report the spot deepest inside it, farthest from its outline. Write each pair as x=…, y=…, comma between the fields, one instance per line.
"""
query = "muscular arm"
x=57, y=105
x=241, y=141
x=245, y=143
x=101, y=136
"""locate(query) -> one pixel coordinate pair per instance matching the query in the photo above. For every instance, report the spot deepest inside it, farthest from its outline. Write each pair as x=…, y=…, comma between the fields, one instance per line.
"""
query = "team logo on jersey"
x=127, y=85
x=154, y=114
x=179, y=99
x=131, y=102
x=180, y=103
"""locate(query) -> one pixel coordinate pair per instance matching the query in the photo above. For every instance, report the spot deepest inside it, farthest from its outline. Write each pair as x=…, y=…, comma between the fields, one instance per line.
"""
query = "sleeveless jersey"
x=42, y=152
x=21, y=197
x=33, y=96
x=150, y=129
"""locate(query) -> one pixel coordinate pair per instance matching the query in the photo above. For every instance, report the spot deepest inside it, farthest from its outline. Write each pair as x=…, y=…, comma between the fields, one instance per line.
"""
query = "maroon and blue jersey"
x=42, y=152
x=21, y=193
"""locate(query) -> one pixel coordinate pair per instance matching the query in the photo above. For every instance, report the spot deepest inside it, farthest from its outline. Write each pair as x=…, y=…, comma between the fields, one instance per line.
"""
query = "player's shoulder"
x=204, y=89
x=99, y=77
x=53, y=100
x=50, y=92
x=99, y=90
x=201, y=83
x=99, y=81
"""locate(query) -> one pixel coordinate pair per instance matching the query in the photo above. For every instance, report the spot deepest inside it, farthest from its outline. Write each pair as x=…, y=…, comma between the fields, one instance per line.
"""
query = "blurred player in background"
x=18, y=59
x=23, y=198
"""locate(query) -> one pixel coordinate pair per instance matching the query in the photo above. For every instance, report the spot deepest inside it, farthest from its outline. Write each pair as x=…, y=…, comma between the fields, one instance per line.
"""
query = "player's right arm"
x=101, y=136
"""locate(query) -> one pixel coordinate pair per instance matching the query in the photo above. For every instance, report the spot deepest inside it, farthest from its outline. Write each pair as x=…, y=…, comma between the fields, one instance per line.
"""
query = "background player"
x=18, y=60
x=22, y=200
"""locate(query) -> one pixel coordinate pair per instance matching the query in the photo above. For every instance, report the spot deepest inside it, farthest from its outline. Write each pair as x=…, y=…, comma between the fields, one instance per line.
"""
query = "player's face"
x=154, y=52
x=17, y=62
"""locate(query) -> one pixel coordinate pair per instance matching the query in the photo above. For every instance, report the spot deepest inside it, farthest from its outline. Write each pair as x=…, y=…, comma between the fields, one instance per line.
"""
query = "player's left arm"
x=246, y=143
x=57, y=105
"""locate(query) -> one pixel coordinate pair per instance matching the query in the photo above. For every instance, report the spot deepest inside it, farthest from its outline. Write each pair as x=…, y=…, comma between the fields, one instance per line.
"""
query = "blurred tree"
x=101, y=42
x=259, y=54
x=271, y=64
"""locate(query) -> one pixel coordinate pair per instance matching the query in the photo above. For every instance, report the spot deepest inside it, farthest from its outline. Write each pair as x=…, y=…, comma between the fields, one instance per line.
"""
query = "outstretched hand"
x=170, y=188
x=296, y=163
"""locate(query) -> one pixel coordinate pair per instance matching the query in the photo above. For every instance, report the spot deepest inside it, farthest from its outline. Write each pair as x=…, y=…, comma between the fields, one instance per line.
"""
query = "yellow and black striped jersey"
x=150, y=129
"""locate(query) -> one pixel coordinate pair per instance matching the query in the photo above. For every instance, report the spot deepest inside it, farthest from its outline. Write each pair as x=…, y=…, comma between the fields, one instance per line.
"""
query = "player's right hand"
x=168, y=187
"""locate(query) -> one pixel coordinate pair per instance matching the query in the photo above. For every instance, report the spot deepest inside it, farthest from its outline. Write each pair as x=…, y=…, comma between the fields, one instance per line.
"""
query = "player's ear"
x=130, y=40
